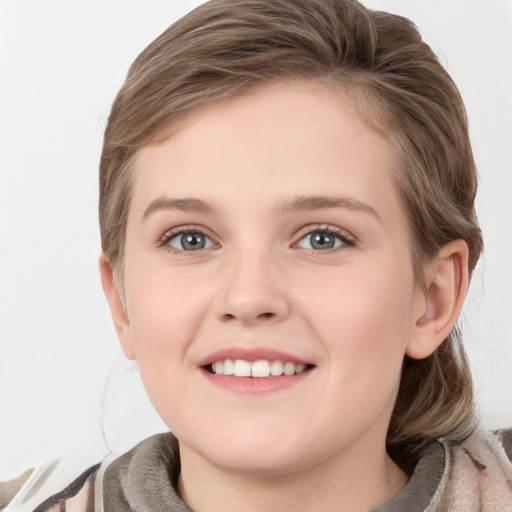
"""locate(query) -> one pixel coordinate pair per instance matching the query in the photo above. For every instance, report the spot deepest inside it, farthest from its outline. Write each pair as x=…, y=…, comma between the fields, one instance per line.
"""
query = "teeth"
x=242, y=368
x=276, y=368
x=289, y=368
x=299, y=368
x=229, y=367
x=261, y=368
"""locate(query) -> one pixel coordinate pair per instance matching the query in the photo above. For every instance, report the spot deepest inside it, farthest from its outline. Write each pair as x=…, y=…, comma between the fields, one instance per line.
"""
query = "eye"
x=189, y=241
x=324, y=240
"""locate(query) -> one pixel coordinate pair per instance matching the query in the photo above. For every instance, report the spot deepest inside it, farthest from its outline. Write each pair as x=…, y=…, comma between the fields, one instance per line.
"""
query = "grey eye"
x=190, y=241
x=320, y=240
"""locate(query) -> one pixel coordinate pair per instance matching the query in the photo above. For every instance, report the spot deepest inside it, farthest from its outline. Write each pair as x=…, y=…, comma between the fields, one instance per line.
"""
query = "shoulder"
x=150, y=469
x=117, y=483
x=484, y=453
x=64, y=484
x=505, y=437
x=10, y=488
x=478, y=474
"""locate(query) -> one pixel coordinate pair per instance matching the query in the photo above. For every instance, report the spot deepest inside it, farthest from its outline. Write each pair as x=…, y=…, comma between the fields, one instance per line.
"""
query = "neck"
x=336, y=484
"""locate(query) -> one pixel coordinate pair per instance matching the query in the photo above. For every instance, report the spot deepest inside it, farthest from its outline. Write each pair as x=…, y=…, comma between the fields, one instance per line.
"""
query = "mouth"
x=255, y=370
x=260, y=369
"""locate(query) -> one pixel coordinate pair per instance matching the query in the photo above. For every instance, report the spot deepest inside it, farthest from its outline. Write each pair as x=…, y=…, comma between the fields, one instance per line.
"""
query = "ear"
x=446, y=282
x=117, y=309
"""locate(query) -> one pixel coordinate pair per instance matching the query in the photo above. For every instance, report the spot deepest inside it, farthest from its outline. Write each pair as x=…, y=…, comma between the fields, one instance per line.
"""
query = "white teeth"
x=261, y=368
x=229, y=367
x=242, y=368
x=289, y=368
x=299, y=368
x=276, y=368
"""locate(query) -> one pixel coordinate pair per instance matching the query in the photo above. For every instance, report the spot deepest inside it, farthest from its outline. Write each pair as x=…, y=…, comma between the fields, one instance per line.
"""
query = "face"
x=269, y=288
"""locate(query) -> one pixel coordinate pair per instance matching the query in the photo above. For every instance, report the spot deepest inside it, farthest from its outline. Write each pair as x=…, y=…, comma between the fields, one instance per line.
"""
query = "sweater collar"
x=145, y=479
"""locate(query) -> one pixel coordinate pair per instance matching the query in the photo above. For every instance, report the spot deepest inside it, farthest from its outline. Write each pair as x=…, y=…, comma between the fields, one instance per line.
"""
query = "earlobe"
x=447, y=278
x=117, y=309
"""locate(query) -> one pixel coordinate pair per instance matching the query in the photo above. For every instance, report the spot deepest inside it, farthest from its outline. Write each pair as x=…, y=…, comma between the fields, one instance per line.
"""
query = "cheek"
x=161, y=298
x=165, y=310
x=364, y=318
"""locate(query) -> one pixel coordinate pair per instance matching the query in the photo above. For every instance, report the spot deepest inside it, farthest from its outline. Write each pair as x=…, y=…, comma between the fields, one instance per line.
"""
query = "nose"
x=252, y=290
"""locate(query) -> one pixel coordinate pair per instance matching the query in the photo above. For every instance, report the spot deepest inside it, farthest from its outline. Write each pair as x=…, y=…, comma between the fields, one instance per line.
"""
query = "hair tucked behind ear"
x=227, y=47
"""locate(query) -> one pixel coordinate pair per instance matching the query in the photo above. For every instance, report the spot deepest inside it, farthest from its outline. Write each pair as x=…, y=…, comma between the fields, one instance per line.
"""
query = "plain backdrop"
x=64, y=386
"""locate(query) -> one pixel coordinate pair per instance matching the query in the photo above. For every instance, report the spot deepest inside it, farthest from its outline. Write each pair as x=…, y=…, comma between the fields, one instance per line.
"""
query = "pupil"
x=193, y=241
x=322, y=241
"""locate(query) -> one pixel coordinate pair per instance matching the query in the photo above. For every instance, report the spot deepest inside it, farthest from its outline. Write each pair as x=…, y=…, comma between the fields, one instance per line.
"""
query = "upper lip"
x=251, y=354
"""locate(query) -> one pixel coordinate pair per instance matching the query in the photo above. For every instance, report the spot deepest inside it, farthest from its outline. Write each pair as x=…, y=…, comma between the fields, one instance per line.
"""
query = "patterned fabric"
x=48, y=488
x=78, y=495
x=9, y=489
x=475, y=476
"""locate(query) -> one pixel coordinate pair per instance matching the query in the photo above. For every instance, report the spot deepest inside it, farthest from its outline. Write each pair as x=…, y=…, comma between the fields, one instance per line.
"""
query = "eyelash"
x=342, y=235
x=347, y=241
x=175, y=232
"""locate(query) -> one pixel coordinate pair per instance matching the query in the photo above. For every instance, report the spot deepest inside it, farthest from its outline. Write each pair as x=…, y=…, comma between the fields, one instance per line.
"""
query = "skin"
x=350, y=312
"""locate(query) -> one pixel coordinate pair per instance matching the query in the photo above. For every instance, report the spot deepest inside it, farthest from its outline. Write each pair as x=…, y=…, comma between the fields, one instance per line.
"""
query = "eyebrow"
x=187, y=204
x=299, y=203
x=312, y=203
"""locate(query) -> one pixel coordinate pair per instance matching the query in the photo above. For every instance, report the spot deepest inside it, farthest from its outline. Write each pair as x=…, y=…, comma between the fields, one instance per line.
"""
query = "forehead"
x=282, y=140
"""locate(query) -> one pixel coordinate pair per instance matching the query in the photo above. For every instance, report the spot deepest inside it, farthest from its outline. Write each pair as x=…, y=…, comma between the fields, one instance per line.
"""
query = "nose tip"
x=252, y=292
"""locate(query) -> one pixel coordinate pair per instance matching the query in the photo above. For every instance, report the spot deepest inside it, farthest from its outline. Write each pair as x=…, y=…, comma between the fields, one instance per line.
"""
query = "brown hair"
x=227, y=47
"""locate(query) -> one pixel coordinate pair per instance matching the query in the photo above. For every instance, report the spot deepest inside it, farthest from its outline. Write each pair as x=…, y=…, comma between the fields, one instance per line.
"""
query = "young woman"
x=288, y=231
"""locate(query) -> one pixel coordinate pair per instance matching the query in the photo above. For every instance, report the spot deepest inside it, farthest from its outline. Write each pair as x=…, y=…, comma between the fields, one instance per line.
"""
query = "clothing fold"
x=473, y=476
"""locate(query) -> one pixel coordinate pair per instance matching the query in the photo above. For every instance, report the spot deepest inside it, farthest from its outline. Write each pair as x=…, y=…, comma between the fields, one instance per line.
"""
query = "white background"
x=62, y=375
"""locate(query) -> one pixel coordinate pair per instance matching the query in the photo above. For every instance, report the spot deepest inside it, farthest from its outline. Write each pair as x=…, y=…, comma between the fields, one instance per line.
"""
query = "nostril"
x=227, y=317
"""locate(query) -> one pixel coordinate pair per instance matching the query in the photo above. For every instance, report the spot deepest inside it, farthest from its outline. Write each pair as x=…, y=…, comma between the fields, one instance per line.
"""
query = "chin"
x=265, y=455
x=258, y=466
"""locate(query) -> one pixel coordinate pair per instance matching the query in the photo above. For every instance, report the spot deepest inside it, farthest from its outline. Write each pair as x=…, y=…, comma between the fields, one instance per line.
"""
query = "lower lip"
x=255, y=385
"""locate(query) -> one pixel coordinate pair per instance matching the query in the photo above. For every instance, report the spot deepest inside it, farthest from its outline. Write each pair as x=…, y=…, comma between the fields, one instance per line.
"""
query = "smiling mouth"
x=261, y=368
